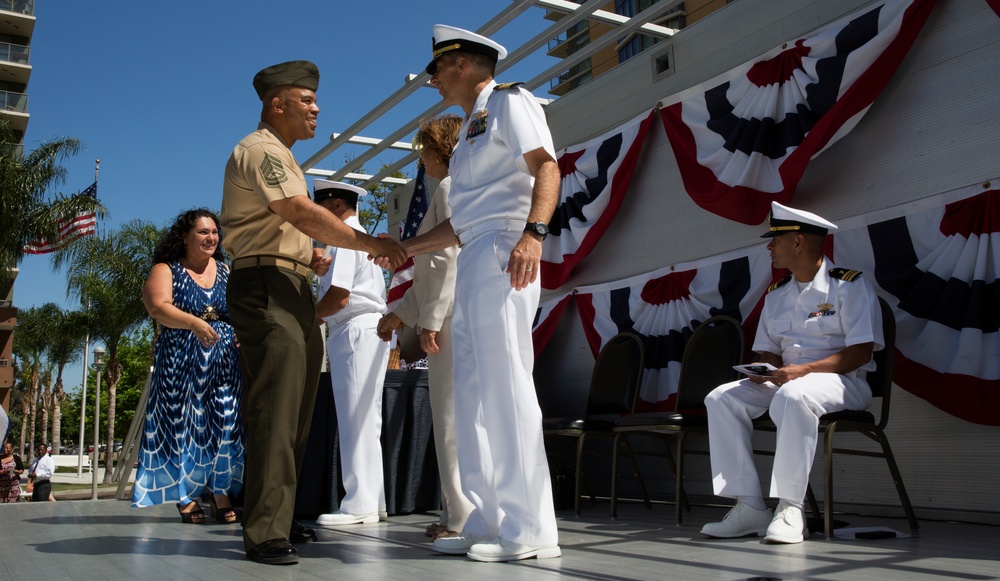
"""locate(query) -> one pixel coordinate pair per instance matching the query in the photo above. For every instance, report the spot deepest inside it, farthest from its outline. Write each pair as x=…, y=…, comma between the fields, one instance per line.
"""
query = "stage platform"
x=107, y=540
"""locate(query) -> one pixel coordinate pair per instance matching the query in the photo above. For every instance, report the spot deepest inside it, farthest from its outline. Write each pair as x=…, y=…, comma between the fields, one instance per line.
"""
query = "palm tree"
x=65, y=347
x=107, y=272
x=31, y=336
x=25, y=212
x=19, y=393
x=46, y=400
x=372, y=209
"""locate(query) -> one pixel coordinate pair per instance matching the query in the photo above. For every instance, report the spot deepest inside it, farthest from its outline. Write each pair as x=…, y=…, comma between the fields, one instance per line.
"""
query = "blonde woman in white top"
x=426, y=306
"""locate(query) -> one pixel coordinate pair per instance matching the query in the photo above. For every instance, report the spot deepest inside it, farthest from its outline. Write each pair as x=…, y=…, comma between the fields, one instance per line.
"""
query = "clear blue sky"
x=160, y=92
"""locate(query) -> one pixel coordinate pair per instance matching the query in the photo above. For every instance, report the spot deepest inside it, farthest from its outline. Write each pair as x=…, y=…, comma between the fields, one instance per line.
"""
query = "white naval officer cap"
x=785, y=219
x=326, y=189
x=448, y=38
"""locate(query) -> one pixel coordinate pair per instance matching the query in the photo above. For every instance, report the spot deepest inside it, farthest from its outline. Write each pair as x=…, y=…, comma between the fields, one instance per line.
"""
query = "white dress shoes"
x=343, y=518
x=503, y=550
x=787, y=526
x=456, y=545
x=741, y=521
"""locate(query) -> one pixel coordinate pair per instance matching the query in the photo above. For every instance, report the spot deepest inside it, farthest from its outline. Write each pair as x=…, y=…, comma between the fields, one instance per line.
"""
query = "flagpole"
x=83, y=404
x=86, y=349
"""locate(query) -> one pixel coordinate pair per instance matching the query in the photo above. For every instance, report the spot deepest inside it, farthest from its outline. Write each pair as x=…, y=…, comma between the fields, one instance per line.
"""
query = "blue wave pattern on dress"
x=193, y=438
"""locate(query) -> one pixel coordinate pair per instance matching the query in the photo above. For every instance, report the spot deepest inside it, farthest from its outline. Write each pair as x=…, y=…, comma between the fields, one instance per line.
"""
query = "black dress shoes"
x=301, y=534
x=274, y=552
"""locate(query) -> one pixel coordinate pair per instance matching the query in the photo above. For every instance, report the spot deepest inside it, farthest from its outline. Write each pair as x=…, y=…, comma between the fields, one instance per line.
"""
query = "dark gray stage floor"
x=108, y=540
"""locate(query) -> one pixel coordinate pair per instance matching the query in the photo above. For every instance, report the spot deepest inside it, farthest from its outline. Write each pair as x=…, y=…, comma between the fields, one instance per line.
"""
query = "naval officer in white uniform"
x=352, y=300
x=819, y=327
x=504, y=189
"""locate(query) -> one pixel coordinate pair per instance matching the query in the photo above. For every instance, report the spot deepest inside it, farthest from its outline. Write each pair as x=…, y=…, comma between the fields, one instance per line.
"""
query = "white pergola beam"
x=607, y=17
x=507, y=15
x=357, y=140
x=367, y=178
x=641, y=23
x=539, y=40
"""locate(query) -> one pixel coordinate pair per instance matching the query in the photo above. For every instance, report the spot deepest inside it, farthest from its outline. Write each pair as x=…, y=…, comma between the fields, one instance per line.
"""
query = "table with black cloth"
x=411, y=476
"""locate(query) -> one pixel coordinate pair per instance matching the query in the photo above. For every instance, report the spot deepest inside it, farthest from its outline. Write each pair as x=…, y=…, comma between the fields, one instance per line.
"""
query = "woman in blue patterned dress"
x=193, y=441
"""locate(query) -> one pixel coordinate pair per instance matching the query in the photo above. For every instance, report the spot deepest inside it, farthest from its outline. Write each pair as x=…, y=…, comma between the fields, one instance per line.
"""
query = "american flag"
x=402, y=277
x=70, y=229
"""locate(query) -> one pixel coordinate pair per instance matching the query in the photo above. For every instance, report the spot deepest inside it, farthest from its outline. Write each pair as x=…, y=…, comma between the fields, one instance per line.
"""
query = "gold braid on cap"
x=785, y=228
x=445, y=49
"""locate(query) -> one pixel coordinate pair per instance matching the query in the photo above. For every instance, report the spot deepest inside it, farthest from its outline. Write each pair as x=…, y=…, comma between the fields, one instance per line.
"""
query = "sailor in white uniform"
x=505, y=186
x=819, y=327
x=352, y=300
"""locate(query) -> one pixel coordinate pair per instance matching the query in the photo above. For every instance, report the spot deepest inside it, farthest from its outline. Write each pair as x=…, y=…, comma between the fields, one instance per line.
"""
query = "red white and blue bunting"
x=744, y=138
x=666, y=305
x=595, y=177
x=547, y=317
x=937, y=262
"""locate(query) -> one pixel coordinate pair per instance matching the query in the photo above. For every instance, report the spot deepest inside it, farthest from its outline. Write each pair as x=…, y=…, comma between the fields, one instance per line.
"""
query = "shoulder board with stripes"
x=780, y=283
x=506, y=86
x=845, y=274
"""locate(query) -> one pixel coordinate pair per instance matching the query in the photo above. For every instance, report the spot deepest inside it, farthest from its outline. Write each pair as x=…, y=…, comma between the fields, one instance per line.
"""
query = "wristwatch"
x=540, y=229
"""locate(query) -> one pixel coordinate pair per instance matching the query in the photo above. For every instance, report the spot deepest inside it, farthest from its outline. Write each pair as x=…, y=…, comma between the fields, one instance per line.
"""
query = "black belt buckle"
x=212, y=314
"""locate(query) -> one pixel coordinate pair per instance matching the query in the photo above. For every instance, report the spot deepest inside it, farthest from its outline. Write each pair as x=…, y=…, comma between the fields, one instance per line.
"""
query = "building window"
x=639, y=42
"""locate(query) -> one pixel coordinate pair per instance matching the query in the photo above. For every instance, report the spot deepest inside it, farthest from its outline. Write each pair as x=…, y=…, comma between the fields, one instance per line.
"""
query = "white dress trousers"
x=795, y=408
x=358, y=362
x=498, y=422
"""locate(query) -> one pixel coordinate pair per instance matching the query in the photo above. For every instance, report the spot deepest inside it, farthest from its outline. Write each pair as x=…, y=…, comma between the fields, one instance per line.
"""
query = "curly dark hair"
x=439, y=134
x=171, y=247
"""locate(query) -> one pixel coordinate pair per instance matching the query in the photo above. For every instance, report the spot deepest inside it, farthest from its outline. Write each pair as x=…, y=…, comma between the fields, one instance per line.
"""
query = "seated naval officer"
x=819, y=327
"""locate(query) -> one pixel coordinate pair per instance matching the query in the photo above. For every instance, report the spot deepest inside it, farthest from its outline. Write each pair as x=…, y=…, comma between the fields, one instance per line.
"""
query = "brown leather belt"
x=286, y=263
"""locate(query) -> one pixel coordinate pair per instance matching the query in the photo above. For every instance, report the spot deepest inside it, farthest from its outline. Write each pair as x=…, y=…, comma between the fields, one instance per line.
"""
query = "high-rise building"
x=17, y=22
x=581, y=34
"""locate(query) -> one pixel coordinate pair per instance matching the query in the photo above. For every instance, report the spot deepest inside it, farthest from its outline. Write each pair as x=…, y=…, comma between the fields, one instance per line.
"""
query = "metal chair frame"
x=606, y=401
x=689, y=410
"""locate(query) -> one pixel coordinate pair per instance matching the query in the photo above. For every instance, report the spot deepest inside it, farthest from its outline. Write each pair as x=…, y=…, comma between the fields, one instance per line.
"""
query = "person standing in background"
x=352, y=299
x=427, y=306
x=193, y=436
x=11, y=469
x=41, y=473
